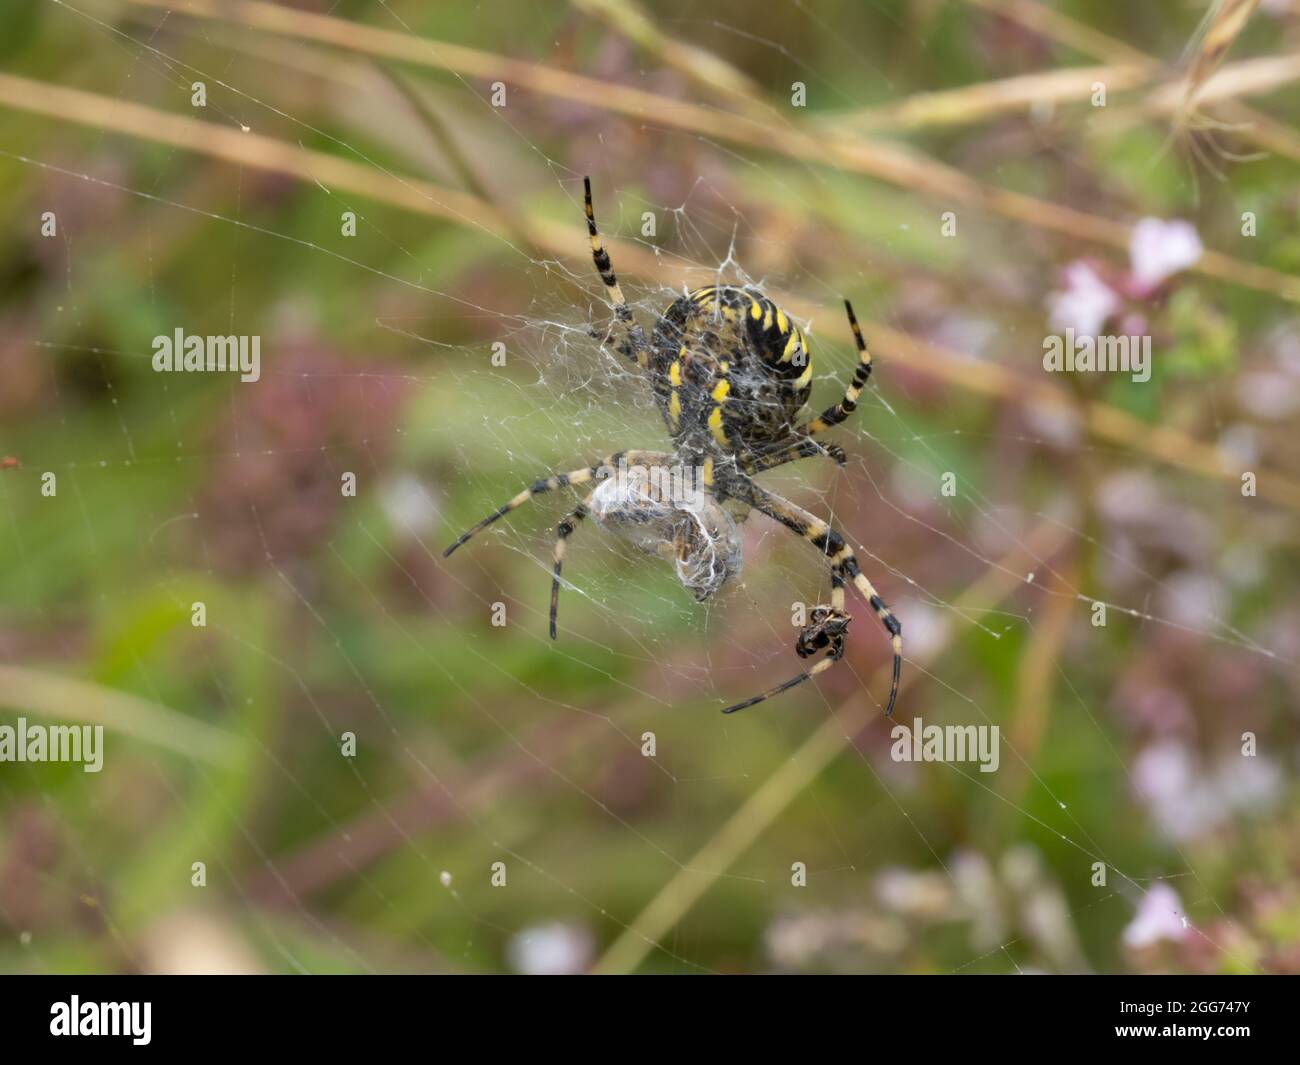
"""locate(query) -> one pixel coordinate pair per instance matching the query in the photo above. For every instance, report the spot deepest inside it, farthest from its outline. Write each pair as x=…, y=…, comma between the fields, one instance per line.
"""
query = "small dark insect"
x=730, y=373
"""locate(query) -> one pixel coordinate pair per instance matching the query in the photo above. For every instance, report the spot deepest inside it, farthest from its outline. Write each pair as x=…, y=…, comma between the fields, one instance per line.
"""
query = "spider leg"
x=826, y=631
x=799, y=444
x=828, y=626
x=546, y=484
x=636, y=336
x=562, y=533
x=838, y=413
x=791, y=451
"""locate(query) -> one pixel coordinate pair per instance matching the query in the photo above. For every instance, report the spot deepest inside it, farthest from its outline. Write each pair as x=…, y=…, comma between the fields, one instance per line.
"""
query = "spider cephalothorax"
x=730, y=372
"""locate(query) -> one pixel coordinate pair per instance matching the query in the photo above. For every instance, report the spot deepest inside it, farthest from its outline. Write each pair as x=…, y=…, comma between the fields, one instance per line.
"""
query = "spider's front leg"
x=634, y=345
x=623, y=347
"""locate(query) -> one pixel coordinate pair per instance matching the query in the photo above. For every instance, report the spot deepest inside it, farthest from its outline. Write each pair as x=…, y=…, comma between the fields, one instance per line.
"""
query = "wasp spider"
x=730, y=373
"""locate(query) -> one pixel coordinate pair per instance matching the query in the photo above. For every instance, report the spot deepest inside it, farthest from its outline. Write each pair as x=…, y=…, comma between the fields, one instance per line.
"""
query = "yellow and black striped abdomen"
x=778, y=341
x=730, y=369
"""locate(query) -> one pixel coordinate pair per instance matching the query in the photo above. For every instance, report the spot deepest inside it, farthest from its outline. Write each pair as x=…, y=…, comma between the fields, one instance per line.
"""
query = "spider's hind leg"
x=562, y=533
x=546, y=484
x=826, y=630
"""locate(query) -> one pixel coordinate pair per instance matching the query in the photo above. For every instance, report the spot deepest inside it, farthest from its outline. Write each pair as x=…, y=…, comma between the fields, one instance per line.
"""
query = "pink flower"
x=1085, y=302
x=553, y=949
x=1159, y=916
x=1158, y=249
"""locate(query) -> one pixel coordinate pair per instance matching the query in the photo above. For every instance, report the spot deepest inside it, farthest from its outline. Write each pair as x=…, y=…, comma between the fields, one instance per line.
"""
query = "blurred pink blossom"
x=1270, y=395
x=1085, y=302
x=1189, y=799
x=1159, y=916
x=554, y=949
x=1157, y=250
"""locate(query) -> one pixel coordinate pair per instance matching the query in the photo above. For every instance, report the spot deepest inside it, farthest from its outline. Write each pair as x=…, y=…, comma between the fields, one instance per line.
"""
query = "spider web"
x=483, y=743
